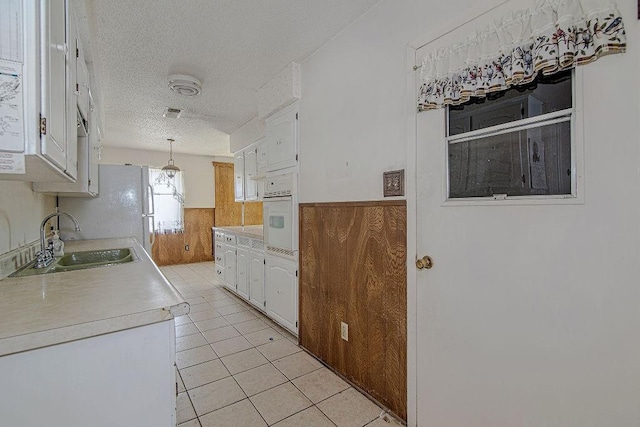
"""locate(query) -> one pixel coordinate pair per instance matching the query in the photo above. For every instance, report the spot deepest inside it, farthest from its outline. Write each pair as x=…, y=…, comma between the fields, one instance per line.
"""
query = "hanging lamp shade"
x=170, y=169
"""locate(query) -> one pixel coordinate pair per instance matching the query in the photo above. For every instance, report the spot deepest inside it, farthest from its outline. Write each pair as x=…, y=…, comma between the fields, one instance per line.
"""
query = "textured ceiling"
x=233, y=46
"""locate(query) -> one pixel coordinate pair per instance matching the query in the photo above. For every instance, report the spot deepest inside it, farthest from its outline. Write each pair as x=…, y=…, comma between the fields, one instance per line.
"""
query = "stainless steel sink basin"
x=80, y=261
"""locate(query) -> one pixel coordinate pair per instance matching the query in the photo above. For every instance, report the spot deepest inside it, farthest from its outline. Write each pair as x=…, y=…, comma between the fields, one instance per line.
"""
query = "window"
x=513, y=143
x=168, y=197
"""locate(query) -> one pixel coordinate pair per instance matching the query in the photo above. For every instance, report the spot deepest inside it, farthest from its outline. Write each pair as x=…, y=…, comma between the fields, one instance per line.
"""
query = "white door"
x=256, y=278
x=261, y=153
x=250, y=168
x=230, y=267
x=281, y=287
x=238, y=173
x=281, y=137
x=54, y=83
x=242, y=268
x=524, y=319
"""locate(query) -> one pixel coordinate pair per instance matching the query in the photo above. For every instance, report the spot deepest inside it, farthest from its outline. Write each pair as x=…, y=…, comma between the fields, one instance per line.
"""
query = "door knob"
x=424, y=262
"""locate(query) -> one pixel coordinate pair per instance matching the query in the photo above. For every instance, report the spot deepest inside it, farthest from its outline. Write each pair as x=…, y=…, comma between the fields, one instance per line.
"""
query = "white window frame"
x=573, y=115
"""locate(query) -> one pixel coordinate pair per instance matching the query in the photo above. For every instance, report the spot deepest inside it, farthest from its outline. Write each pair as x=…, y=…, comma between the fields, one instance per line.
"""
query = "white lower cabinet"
x=268, y=282
x=230, y=267
x=281, y=288
x=102, y=381
x=242, y=278
x=256, y=279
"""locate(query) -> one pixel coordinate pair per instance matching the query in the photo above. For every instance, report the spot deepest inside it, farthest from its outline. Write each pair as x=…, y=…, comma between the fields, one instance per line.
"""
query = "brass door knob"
x=424, y=262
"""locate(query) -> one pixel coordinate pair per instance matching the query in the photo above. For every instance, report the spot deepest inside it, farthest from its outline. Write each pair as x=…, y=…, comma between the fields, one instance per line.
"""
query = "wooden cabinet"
x=281, y=289
x=256, y=274
x=282, y=139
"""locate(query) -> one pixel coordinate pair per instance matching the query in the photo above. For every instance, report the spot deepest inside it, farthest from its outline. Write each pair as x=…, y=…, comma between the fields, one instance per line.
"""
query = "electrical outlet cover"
x=344, y=331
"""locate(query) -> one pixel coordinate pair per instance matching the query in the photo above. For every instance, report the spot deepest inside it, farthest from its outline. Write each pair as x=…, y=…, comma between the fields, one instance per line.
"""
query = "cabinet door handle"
x=60, y=48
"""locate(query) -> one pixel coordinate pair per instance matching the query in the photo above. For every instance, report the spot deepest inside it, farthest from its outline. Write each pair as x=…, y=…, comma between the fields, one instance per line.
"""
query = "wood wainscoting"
x=169, y=249
x=353, y=269
x=228, y=211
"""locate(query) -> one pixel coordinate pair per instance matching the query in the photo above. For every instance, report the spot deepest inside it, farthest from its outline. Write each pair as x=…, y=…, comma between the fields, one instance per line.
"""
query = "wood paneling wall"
x=353, y=269
x=228, y=211
x=169, y=249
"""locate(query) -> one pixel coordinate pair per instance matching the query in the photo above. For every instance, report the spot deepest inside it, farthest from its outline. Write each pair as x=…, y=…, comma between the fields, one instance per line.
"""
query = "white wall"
x=198, y=171
x=353, y=108
x=21, y=212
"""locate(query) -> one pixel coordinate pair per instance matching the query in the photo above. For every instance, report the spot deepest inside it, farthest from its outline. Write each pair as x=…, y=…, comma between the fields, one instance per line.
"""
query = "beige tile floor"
x=238, y=368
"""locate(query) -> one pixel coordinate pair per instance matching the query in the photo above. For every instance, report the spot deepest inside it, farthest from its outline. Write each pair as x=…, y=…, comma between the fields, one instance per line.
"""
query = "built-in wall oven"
x=280, y=215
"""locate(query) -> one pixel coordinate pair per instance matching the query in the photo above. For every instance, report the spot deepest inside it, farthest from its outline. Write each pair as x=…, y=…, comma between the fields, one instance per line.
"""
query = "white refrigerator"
x=123, y=207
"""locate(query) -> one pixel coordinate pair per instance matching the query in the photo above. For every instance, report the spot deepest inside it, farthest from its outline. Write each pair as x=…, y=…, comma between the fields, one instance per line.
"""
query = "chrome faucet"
x=44, y=257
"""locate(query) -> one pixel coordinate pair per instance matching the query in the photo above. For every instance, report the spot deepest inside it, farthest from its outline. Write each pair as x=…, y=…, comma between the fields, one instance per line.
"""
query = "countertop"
x=49, y=309
x=253, y=231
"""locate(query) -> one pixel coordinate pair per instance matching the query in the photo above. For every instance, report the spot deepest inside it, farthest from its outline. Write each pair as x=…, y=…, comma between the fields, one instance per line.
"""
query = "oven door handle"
x=276, y=199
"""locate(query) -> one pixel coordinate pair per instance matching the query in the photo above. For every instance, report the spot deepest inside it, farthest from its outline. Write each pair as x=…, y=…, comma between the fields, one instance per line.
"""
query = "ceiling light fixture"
x=170, y=169
x=185, y=85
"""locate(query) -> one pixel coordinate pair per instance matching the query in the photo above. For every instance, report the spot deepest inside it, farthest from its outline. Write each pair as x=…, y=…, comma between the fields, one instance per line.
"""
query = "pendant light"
x=170, y=169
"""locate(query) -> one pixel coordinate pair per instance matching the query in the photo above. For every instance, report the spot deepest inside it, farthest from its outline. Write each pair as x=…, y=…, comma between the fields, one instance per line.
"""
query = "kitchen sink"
x=80, y=261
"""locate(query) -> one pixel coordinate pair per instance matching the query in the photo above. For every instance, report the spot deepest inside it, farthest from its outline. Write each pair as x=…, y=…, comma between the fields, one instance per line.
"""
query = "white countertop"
x=253, y=231
x=49, y=309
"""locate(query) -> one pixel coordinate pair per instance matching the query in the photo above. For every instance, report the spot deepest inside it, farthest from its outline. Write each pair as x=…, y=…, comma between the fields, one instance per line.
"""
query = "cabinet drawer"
x=219, y=247
x=219, y=259
x=220, y=272
x=230, y=239
x=219, y=236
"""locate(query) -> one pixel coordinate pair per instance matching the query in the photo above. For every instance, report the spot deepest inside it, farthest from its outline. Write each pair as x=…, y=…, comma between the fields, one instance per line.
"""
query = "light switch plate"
x=393, y=182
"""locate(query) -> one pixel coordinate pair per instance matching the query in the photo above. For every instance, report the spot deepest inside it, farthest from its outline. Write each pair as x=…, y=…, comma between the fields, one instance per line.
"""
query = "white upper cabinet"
x=82, y=82
x=282, y=139
x=250, y=172
x=54, y=77
x=49, y=77
x=261, y=157
x=238, y=172
x=247, y=187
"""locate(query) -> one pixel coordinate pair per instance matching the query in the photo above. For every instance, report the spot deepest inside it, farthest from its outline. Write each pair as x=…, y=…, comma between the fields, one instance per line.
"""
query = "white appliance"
x=280, y=216
x=123, y=208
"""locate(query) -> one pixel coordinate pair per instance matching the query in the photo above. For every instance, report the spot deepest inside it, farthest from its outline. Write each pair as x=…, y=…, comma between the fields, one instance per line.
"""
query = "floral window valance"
x=554, y=35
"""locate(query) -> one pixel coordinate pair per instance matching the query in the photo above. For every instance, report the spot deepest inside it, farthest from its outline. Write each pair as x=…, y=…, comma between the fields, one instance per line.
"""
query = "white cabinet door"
x=95, y=144
x=282, y=130
x=250, y=169
x=242, y=278
x=54, y=81
x=238, y=171
x=281, y=288
x=71, y=140
x=261, y=157
x=256, y=279
x=82, y=82
x=230, y=267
